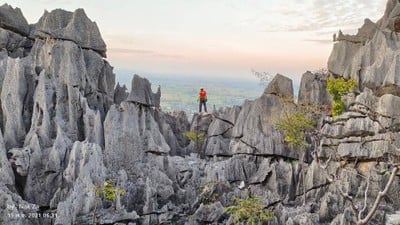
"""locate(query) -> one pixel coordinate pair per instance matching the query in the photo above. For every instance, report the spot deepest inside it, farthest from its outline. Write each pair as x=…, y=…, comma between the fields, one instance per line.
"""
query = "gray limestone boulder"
x=300, y=215
x=281, y=86
x=367, y=131
x=388, y=105
x=73, y=26
x=220, y=131
x=92, y=124
x=254, y=131
x=367, y=99
x=130, y=134
x=172, y=126
x=373, y=63
x=120, y=93
x=391, y=14
x=209, y=213
x=16, y=44
x=201, y=122
x=20, y=160
x=142, y=93
x=85, y=170
x=64, y=75
x=223, y=121
x=13, y=95
x=179, y=123
x=100, y=82
x=343, y=52
x=303, y=219
x=14, y=210
x=313, y=89
x=330, y=206
x=6, y=172
x=279, y=181
x=13, y=20
x=236, y=168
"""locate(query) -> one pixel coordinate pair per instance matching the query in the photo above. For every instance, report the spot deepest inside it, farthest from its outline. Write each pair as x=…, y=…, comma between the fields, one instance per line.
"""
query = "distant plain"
x=180, y=92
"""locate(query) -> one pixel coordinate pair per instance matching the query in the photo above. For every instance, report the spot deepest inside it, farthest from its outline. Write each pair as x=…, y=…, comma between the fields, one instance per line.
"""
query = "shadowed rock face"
x=312, y=89
x=12, y=19
x=280, y=85
x=141, y=93
x=67, y=129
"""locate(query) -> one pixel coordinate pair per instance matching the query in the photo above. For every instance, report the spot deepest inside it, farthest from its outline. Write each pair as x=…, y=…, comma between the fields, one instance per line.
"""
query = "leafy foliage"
x=108, y=191
x=338, y=87
x=295, y=126
x=195, y=136
x=248, y=210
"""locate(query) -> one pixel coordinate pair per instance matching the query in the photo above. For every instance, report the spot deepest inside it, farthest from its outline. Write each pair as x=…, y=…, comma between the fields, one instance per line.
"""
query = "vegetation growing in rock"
x=108, y=191
x=249, y=211
x=337, y=87
x=210, y=192
x=196, y=137
x=294, y=126
x=264, y=77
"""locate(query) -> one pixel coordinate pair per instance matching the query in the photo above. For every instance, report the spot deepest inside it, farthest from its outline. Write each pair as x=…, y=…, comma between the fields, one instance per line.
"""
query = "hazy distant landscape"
x=180, y=92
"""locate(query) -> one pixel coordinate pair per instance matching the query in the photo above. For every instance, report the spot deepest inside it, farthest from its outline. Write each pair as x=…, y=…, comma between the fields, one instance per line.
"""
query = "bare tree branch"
x=346, y=196
x=365, y=197
x=379, y=197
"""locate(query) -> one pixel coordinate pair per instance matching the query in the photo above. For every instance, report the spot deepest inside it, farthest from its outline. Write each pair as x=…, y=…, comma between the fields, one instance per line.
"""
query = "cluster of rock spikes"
x=77, y=149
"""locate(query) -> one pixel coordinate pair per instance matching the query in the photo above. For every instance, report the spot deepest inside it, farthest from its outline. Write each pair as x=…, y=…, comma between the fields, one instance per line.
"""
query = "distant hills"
x=180, y=92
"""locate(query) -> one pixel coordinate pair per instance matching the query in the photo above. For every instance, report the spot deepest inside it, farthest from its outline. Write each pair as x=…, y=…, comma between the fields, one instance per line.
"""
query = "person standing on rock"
x=202, y=99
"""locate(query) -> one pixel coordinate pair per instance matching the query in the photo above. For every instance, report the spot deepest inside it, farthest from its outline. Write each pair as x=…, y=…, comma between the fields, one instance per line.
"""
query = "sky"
x=224, y=38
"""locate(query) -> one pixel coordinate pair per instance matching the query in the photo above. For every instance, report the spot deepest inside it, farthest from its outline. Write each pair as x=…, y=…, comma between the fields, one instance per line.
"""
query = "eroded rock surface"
x=73, y=26
x=66, y=129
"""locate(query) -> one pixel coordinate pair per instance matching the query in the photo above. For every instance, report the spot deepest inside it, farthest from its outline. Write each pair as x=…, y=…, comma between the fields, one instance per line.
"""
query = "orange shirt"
x=202, y=94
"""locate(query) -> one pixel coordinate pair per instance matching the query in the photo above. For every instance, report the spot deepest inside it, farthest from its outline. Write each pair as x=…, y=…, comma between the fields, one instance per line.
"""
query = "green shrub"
x=248, y=210
x=337, y=87
x=108, y=191
x=294, y=126
x=195, y=136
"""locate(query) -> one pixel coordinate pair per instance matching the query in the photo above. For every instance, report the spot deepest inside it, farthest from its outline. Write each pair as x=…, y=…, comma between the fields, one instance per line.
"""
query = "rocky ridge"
x=65, y=130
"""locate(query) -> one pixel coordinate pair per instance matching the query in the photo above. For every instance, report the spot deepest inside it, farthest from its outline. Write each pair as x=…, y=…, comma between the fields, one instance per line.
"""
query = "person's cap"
x=201, y=88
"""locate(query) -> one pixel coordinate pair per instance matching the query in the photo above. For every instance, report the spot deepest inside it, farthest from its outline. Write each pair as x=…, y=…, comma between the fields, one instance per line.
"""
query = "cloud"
x=314, y=15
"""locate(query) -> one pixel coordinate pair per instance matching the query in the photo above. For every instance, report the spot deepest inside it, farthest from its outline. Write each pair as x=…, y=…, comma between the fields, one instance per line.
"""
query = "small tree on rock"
x=197, y=137
x=296, y=125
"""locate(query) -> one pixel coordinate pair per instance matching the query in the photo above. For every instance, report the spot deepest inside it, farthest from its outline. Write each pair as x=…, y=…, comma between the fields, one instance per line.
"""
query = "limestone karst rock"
x=312, y=89
x=280, y=85
x=373, y=63
x=13, y=20
x=66, y=128
x=254, y=129
x=16, y=44
x=120, y=93
x=75, y=27
x=6, y=173
x=141, y=92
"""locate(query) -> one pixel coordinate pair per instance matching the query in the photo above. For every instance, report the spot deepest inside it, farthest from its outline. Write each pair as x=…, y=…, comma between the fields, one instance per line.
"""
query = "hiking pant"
x=203, y=102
